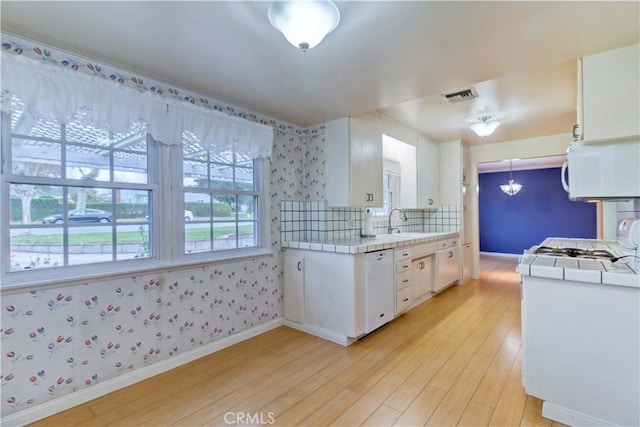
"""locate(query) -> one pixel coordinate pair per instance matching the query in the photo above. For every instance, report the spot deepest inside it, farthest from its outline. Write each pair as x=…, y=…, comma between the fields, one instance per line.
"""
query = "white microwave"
x=607, y=171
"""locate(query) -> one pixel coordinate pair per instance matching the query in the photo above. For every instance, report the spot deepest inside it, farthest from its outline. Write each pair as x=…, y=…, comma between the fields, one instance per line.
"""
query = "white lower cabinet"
x=448, y=264
x=422, y=277
x=404, y=279
x=466, y=262
x=414, y=275
x=341, y=297
x=294, y=288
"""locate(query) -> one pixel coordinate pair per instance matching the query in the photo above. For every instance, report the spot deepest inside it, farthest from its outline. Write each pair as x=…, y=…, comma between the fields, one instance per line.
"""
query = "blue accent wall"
x=541, y=209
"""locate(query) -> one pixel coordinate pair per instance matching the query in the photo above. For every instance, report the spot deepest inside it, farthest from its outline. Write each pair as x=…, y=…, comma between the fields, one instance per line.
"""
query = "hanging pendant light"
x=485, y=126
x=304, y=23
x=511, y=188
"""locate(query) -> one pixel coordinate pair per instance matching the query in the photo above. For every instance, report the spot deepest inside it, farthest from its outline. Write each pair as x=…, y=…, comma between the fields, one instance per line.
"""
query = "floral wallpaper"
x=57, y=341
x=315, y=163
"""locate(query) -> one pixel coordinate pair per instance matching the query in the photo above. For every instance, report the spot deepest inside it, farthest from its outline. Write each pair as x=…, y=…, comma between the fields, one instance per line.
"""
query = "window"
x=222, y=198
x=76, y=194
x=390, y=187
x=174, y=181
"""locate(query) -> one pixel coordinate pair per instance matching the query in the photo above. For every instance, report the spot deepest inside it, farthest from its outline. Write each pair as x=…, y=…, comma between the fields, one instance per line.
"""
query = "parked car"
x=188, y=216
x=80, y=215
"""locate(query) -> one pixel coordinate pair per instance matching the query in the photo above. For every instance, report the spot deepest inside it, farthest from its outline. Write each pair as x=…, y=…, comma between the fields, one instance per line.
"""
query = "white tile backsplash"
x=314, y=221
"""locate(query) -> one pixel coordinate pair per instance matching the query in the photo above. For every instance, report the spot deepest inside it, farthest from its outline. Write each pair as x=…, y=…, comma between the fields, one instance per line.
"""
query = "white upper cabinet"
x=428, y=168
x=466, y=164
x=609, y=95
x=454, y=171
x=353, y=146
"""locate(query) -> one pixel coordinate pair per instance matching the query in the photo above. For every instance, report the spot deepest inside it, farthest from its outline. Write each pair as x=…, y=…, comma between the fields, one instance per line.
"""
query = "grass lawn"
x=123, y=237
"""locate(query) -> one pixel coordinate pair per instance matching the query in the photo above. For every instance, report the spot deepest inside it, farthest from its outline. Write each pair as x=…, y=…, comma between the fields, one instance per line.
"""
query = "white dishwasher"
x=379, y=290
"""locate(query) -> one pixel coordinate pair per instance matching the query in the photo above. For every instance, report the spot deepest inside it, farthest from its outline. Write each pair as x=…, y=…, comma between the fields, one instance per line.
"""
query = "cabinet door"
x=294, y=288
x=428, y=171
x=448, y=267
x=466, y=165
x=611, y=95
x=353, y=146
x=366, y=161
x=466, y=262
x=450, y=172
x=422, y=283
x=454, y=264
x=466, y=214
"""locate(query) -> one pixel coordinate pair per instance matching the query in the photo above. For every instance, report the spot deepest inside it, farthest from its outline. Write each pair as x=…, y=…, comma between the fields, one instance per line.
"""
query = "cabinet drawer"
x=403, y=253
x=403, y=280
x=423, y=249
x=402, y=266
x=403, y=300
x=443, y=244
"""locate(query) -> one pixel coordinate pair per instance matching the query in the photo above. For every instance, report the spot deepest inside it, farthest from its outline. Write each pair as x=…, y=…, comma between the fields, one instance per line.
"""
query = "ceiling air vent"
x=463, y=95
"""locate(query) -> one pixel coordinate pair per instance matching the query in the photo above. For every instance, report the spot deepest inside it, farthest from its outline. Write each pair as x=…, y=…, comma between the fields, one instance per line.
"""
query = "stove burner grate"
x=574, y=252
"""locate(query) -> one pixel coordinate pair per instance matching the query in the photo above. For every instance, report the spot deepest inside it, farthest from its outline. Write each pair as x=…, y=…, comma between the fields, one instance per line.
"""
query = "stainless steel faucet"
x=403, y=216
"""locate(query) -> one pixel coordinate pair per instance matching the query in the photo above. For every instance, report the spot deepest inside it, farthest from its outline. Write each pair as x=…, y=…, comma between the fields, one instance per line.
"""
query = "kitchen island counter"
x=580, y=332
x=625, y=272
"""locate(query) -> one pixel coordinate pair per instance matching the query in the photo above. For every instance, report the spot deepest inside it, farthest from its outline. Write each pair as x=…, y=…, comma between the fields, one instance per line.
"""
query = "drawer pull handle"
x=405, y=280
x=405, y=299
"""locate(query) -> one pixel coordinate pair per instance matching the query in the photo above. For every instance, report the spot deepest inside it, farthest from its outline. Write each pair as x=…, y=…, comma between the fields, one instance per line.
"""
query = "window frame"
x=19, y=278
x=167, y=202
x=261, y=190
x=393, y=189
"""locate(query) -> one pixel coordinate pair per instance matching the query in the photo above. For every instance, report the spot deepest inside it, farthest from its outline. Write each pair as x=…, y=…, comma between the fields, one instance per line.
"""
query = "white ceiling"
x=392, y=56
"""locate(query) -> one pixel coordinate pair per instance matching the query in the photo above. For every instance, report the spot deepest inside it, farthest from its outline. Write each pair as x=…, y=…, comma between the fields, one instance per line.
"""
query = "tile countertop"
x=362, y=245
x=621, y=273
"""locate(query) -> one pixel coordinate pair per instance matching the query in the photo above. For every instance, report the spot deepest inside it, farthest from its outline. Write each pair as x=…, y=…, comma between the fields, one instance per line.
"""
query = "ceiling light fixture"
x=512, y=188
x=304, y=23
x=485, y=127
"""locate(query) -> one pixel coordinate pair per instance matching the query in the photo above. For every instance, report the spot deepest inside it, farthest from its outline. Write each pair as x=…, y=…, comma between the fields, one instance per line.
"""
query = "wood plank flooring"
x=454, y=360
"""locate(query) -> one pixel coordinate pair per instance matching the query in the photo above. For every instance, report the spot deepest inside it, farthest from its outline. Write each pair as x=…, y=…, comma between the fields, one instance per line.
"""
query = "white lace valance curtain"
x=49, y=90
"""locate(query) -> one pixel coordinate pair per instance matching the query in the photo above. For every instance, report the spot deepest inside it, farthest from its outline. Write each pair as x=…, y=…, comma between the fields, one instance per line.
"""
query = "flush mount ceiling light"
x=304, y=23
x=485, y=127
x=512, y=188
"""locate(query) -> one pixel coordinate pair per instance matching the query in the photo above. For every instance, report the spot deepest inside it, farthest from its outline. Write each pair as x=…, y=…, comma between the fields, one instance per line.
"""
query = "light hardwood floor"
x=454, y=360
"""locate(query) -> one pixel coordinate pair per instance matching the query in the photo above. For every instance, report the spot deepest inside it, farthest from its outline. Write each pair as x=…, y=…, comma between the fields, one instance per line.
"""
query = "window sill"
x=20, y=282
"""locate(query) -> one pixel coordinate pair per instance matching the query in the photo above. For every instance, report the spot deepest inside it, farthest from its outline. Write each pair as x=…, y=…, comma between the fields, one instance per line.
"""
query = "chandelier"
x=511, y=188
x=304, y=23
x=485, y=126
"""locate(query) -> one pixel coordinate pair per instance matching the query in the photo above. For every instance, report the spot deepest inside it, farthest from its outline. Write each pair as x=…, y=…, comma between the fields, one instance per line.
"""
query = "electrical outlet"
x=351, y=223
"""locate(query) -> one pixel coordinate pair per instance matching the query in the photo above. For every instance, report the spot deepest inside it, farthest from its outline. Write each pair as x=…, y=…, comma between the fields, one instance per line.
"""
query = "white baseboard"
x=571, y=417
x=68, y=401
x=498, y=254
x=322, y=333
